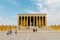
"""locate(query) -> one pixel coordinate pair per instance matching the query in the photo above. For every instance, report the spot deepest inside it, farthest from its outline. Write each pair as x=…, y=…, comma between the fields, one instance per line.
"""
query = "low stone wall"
x=7, y=27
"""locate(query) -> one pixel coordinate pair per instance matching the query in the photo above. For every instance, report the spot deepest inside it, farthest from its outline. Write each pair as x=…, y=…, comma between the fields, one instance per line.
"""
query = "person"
x=10, y=31
x=7, y=33
x=33, y=30
x=15, y=31
x=36, y=30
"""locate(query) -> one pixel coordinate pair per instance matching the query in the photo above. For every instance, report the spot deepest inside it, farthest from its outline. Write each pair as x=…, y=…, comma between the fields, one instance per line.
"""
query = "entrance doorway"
x=31, y=20
x=28, y=20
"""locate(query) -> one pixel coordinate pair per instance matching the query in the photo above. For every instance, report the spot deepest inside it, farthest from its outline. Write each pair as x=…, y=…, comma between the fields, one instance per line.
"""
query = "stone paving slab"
x=30, y=35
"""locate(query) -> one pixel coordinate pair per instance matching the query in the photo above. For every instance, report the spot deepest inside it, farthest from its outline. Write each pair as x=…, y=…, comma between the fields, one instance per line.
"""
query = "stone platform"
x=28, y=34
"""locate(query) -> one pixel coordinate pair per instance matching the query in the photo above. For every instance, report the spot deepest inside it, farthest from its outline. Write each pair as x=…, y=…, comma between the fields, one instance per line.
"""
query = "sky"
x=9, y=10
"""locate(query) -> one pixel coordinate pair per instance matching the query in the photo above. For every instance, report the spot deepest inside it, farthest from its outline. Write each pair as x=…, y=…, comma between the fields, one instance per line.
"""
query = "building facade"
x=26, y=20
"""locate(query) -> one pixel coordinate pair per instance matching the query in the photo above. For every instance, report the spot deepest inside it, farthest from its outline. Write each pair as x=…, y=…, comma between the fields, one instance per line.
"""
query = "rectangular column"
x=24, y=21
x=27, y=21
x=30, y=20
x=34, y=20
x=42, y=21
x=18, y=21
x=39, y=21
x=21, y=20
x=45, y=21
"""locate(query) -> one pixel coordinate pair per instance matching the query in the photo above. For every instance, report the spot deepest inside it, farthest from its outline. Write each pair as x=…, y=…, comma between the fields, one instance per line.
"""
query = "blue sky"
x=9, y=10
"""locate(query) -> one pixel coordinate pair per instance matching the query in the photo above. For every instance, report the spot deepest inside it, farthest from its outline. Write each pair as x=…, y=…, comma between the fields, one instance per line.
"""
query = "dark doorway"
x=38, y=20
x=44, y=20
x=31, y=20
x=28, y=20
x=22, y=17
x=35, y=20
x=41, y=20
x=20, y=21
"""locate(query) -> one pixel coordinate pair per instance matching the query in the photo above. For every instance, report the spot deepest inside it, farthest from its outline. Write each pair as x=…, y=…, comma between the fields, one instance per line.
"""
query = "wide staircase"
x=37, y=29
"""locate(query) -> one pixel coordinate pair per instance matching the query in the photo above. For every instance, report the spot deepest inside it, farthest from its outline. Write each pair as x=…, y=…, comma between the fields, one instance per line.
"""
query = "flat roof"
x=32, y=14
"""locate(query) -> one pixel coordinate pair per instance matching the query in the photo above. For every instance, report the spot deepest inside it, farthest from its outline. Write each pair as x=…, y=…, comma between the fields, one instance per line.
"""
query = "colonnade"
x=32, y=21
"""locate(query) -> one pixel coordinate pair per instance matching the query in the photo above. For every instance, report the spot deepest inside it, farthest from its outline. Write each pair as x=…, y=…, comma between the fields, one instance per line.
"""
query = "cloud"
x=13, y=2
x=1, y=18
x=30, y=11
x=8, y=21
x=53, y=18
x=47, y=5
x=52, y=1
x=51, y=8
x=14, y=16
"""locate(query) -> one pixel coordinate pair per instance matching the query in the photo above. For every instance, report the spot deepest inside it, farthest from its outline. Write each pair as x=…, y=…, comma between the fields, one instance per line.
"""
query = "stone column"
x=34, y=20
x=45, y=21
x=39, y=21
x=21, y=20
x=24, y=20
x=27, y=21
x=30, y=20
x=42, y=21
x=18, y=21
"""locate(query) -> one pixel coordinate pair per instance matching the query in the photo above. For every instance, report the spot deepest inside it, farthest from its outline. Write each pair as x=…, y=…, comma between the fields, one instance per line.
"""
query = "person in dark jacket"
x=33, y=30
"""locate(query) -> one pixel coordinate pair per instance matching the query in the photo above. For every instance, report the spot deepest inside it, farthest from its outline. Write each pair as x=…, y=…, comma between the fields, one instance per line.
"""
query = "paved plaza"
x=30, y=35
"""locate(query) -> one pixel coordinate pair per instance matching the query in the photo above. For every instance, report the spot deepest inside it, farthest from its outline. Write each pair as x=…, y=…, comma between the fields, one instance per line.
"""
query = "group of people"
x=10, y=32
x=34, y=30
